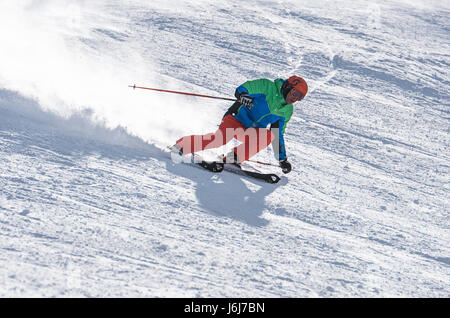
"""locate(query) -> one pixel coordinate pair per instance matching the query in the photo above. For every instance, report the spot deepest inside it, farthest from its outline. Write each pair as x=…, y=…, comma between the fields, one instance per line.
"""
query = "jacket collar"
x=279, y=83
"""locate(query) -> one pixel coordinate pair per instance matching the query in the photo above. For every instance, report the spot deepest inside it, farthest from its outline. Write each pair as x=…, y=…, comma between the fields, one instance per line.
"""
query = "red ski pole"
x=263, y=163
x=182, y=93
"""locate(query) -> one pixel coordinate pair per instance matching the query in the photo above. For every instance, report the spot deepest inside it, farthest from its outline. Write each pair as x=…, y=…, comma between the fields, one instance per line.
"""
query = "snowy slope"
x=91, y=206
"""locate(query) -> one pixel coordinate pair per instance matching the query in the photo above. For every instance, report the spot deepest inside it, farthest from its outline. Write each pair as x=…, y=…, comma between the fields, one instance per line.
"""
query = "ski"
x=217, y=167
x=267, y=177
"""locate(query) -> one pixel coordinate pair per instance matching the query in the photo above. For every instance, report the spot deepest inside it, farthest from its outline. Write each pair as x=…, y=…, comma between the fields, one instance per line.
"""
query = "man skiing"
x=259, y=103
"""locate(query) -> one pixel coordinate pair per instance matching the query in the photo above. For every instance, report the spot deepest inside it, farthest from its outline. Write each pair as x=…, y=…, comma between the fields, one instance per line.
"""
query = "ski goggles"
x=297, y=95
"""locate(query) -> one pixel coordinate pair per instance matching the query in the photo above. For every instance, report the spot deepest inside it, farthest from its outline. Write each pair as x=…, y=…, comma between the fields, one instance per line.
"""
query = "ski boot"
x=176, y=150
x=212, y=166
x=231, y=158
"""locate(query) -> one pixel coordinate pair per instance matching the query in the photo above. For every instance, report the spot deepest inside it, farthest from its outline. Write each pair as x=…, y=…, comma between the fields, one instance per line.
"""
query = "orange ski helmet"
x=294, y=82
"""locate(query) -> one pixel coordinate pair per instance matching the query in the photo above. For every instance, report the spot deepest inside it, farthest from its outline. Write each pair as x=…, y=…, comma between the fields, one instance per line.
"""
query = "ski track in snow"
x=94, y=210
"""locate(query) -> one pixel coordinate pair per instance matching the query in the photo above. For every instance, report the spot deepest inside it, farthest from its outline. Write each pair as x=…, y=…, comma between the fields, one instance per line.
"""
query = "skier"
x=259, y=103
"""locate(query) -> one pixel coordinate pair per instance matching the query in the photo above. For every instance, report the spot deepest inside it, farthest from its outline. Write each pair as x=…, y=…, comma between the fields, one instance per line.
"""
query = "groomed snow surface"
x=92, y=206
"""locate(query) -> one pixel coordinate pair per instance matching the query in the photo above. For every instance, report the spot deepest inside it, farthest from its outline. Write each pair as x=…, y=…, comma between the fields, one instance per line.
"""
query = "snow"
x=91, y=205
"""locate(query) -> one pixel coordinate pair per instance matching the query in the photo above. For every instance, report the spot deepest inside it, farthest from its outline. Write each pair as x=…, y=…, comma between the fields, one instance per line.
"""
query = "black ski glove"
x=285, y=166
x=246, y=100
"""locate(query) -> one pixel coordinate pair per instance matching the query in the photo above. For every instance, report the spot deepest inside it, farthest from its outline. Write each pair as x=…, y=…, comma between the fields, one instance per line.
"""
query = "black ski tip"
x=272, y=178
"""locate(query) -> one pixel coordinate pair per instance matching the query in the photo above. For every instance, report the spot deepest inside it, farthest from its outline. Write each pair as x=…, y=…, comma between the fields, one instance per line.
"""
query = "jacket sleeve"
x=259, y=86
x=278, y=145
x=240, y=90
x=243, y=114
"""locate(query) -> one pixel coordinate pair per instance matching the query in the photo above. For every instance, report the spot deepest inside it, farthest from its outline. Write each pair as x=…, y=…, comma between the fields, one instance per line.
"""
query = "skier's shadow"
x=226, y=194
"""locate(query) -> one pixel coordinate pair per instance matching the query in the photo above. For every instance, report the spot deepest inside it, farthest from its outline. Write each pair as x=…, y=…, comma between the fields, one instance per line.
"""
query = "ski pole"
x=262, y=163
x=182, y=93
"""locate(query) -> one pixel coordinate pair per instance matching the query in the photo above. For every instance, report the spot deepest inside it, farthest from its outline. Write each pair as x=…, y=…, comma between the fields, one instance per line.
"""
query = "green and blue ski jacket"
x=269, y=108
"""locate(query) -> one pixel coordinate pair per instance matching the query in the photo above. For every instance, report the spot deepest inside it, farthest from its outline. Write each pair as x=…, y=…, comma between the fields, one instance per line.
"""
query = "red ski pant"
x=252, y=140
